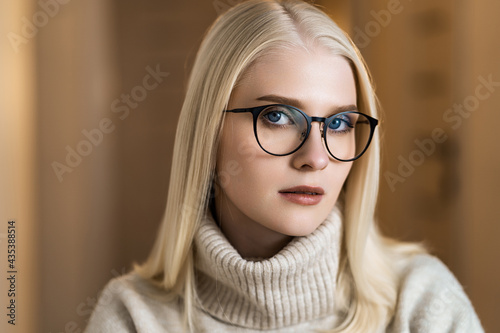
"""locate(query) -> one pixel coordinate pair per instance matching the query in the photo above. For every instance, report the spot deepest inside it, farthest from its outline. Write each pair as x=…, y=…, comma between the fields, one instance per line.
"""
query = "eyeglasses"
x=281, y=130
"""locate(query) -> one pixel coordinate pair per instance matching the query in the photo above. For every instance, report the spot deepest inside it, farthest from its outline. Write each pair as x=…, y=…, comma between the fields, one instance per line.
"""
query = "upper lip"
x=304, y=189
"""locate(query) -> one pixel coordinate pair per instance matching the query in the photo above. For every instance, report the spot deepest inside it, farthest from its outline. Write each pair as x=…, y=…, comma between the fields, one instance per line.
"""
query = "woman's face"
x=259, y=191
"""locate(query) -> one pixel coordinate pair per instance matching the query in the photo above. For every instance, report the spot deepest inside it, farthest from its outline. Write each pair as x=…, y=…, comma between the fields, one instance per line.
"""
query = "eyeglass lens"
x=281, y=130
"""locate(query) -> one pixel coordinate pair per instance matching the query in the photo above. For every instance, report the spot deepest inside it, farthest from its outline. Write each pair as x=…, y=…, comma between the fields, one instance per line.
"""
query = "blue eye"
x=340, y=124
x=277, y=116
x=273, y=116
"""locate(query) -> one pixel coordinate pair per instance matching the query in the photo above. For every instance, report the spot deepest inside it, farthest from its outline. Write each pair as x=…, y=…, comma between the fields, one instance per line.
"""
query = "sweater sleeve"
x=129, y=304
x=110, y=313
x=431, y=300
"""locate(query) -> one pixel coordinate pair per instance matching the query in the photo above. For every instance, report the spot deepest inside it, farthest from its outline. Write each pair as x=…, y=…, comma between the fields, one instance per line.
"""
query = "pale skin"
x=251, y=211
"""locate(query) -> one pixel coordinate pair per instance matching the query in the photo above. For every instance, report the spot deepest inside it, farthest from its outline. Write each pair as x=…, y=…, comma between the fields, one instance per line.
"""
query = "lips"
x=303, y=195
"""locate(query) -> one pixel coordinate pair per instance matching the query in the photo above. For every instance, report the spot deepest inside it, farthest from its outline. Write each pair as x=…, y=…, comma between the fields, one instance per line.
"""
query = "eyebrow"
x=295, y=102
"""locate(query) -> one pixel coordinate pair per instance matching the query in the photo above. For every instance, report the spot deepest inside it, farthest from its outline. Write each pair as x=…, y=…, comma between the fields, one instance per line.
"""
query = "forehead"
x=315, y=77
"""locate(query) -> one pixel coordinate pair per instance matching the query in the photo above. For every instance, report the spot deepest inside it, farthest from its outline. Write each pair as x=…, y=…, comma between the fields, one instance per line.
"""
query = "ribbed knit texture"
x=294, y=286
x=292, y=292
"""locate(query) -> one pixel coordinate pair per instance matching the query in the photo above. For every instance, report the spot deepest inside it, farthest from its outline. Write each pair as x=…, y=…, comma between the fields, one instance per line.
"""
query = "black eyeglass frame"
x=255, y=111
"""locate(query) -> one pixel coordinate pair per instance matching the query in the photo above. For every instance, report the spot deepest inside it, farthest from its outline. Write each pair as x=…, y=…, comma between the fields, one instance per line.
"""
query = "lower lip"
x=302, y=199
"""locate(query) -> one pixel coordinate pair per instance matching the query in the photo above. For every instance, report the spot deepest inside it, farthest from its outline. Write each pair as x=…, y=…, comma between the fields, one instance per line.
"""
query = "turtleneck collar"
x=295, y=285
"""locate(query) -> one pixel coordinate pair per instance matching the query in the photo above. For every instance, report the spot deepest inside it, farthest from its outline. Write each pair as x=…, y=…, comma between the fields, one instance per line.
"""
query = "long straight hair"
x=367, y=281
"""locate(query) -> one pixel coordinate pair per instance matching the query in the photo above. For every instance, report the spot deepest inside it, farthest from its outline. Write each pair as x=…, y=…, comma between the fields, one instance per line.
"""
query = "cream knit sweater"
x=290, y=292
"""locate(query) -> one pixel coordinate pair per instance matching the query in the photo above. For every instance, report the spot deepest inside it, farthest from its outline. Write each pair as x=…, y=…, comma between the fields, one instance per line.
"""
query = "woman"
x=269, y=222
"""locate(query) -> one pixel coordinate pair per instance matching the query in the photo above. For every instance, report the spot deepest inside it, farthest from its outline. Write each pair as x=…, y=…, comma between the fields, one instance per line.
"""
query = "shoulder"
x=135, y=286
x=426, y=273
x=130, y=303
x=431, y=299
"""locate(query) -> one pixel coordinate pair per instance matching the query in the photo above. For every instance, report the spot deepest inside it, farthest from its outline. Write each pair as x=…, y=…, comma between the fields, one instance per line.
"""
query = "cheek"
x=340, y=174
x=244, y=169
x=237, y=152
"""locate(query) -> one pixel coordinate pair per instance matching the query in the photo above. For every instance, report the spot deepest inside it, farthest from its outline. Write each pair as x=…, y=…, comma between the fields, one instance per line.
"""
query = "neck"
x=254, y=241
x=250, y=239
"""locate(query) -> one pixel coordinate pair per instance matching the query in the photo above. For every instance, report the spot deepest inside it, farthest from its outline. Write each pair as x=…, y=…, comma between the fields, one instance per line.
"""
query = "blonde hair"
x=367, y=283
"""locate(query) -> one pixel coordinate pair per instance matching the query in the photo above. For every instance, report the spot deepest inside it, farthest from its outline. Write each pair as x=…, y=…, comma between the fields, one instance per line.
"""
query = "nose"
x=313, y=154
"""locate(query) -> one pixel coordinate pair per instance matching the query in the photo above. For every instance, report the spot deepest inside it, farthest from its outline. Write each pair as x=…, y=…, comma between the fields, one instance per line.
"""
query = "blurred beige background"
x=89, y=100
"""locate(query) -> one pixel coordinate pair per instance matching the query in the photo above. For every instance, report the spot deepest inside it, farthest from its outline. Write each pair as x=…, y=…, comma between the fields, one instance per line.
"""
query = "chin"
x=303, y=223
x=299, y=228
